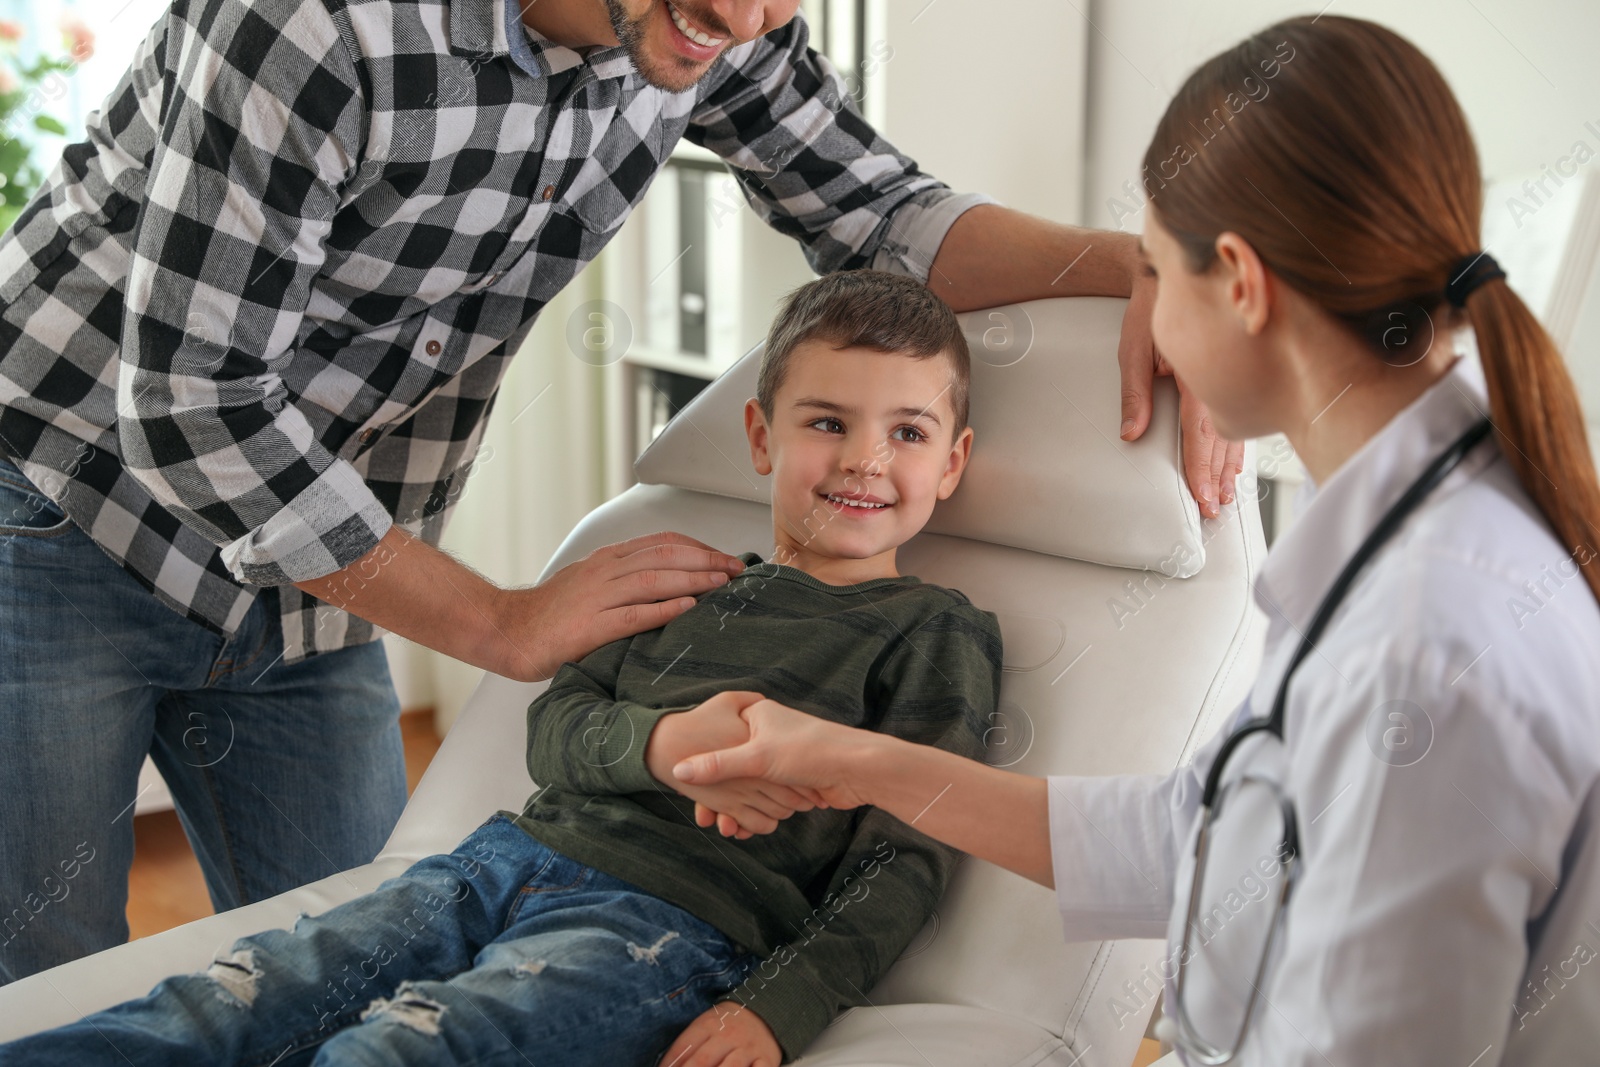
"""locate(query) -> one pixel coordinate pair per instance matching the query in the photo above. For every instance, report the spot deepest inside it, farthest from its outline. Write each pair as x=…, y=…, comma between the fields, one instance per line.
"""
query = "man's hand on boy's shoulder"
x=727, y=1034
x=615, y=591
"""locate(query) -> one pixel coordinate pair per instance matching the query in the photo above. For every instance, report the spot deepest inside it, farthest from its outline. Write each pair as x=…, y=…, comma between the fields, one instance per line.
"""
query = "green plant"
x=25, y=90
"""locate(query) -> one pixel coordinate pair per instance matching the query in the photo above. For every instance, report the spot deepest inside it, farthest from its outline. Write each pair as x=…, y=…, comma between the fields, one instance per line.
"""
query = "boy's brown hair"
x=871, y=309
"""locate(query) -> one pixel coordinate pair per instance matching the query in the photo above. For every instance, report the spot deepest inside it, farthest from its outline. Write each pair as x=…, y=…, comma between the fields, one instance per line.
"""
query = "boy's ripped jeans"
x=501, y=952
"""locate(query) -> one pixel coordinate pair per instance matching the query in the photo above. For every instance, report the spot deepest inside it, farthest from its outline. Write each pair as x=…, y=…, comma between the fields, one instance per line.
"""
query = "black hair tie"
x=1470, y=272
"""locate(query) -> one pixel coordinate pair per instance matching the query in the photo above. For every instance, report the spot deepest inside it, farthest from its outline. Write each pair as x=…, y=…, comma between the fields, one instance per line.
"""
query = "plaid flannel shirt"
x=259, y=314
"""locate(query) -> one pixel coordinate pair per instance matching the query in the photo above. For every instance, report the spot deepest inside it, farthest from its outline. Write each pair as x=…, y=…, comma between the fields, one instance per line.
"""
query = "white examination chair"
x=1122, y=654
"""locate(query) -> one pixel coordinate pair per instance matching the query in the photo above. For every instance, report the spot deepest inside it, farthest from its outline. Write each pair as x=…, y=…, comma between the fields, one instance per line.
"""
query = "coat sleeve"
x=1114, y=842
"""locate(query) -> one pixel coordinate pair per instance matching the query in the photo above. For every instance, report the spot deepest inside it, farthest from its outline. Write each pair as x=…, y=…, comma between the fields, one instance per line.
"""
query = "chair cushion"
x=935, y=1035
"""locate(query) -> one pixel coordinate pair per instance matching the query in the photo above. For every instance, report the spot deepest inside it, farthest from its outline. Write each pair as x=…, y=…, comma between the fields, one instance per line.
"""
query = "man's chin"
x=657, y=62
x=672, y=74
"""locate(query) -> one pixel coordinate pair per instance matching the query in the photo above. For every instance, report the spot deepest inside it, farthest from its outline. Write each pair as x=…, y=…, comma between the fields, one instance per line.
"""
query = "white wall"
x=1583, y=359
x=1524, y=70
x=987, y=96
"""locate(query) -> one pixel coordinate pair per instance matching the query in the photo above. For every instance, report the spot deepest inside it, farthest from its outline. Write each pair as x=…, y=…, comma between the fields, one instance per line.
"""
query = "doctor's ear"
x=755, y=428
x=1247, y=284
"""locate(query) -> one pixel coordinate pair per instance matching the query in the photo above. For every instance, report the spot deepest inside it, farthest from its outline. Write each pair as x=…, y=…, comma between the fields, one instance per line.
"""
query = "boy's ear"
x=755, y=428
x=960, y=452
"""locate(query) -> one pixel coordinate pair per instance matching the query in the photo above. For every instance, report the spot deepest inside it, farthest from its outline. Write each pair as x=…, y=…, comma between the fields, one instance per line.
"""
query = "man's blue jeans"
x=281, y=774
x=501, y=952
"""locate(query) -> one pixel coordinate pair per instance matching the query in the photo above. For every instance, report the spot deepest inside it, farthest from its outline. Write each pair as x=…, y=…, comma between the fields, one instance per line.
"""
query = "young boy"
x=608, y=924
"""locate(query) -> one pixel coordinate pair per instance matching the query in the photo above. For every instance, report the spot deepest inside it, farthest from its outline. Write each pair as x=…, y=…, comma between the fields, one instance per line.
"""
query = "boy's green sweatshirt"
x=830, y=898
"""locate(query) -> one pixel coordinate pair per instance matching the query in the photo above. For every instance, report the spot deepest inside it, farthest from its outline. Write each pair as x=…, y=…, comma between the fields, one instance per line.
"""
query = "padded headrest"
x=1049, y=472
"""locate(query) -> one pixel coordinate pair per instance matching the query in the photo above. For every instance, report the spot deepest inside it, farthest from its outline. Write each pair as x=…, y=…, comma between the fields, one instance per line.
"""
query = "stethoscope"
x=1176, y=1026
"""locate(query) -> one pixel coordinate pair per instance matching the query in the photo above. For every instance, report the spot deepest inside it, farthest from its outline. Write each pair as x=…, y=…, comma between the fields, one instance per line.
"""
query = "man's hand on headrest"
x=1210, y=464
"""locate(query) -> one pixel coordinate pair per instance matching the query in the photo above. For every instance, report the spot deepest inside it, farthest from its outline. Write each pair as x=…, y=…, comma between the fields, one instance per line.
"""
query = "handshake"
x=748, y=762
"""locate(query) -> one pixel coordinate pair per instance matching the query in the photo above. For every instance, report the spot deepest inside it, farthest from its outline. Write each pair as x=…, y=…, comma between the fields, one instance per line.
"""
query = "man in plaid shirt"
x=250, y=333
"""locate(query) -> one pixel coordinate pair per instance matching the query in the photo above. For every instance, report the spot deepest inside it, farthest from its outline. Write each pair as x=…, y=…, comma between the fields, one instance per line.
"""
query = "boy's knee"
x=236, y=976
x=409, y=1008
x=651, y=953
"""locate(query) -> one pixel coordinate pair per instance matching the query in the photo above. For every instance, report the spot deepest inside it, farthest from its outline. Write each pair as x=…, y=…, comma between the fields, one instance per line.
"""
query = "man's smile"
x=689, y=30
x=689, y=39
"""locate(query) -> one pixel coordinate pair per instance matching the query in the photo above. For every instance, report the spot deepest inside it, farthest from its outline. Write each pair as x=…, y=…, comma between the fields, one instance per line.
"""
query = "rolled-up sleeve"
x=779, y=115
x=263, y=124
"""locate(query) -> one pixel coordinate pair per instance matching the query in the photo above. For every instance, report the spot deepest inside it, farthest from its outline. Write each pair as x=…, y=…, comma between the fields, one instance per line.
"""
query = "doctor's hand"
x=786, y=747
x=741, y=806
x=727, y=1034
x=1210, y=463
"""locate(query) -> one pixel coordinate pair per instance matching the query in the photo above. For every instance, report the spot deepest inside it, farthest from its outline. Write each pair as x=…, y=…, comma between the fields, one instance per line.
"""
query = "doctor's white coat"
x=1442, y=751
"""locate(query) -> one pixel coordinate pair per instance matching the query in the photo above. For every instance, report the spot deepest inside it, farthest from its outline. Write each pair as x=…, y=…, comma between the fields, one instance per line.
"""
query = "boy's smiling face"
x=860, y=446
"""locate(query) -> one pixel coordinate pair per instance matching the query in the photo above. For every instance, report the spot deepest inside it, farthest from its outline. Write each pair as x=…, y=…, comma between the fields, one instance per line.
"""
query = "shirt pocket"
x=412, y=236
x=621, y=163
x=600, y=211
x=614, y=179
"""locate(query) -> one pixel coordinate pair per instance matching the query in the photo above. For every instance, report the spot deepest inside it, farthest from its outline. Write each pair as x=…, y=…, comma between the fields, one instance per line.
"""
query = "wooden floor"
x=165, y=887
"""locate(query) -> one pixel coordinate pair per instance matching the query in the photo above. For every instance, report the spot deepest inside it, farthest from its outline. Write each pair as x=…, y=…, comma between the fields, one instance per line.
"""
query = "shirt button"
x=433, y=348
x=549, y=191
x=491, y=279
x=366, y=435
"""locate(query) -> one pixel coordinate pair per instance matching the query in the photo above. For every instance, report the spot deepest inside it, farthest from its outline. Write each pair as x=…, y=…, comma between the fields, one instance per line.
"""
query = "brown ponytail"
x=1535, y=409
x=1335, y=147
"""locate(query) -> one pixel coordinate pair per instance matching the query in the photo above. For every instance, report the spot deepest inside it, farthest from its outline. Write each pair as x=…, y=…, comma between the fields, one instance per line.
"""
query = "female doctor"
x=1393, y=853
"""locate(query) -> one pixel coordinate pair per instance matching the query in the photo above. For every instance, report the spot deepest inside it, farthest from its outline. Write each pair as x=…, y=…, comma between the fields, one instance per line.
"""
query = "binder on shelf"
x=658, y=395
x=692, y=266
x=694, y=263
